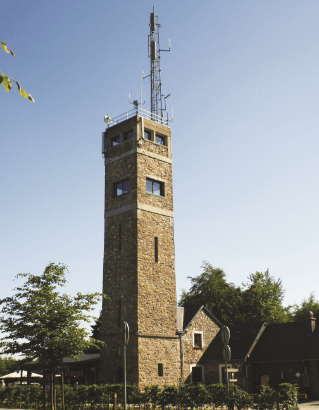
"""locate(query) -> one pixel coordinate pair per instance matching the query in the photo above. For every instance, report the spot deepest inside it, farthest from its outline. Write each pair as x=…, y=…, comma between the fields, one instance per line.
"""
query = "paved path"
x=309, y=405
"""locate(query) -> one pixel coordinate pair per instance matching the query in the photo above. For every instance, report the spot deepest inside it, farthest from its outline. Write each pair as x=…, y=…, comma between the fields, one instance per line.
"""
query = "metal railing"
x=137, y=111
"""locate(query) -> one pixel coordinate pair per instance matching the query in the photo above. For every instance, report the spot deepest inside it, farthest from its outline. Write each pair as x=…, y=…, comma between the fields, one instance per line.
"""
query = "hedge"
x=190, y=395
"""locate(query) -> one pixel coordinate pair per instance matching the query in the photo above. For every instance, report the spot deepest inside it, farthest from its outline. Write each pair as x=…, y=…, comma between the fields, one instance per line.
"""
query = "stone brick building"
x=139, y=263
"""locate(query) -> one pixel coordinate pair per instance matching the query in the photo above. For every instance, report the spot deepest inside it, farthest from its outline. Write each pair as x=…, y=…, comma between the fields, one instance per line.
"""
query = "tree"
x=5, y=79
x=212, y=290
x=42, y=324
x=7, y=365
x=97, y=328
x=307, y=305
x=262, y=298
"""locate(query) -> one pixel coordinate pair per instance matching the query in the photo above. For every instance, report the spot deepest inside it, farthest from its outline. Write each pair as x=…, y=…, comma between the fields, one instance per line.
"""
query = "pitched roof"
x=191, y=312
x=286, y=341
x=242, y=338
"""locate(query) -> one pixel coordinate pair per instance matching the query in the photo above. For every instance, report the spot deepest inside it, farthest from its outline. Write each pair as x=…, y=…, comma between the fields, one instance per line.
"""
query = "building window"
x=160, y=139
x=128, y=135
x=154, y=187
x=120, y=236
x=147, y=134
x=156, y=249
x=197, y=373
x=115, y=141
x=198, y=340
x=160, y=369
x=121, y=188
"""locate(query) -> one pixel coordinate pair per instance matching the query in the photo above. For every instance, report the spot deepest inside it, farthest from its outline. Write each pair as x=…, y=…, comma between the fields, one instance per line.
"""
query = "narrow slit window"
x=160, y=369
x=197, y=340
x=119, y=313
x=156, y=249
x=120, y=236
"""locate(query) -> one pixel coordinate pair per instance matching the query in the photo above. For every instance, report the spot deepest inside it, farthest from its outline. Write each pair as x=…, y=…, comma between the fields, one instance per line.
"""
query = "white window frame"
x=202, y=334
x=191, y=372
x=221, y=366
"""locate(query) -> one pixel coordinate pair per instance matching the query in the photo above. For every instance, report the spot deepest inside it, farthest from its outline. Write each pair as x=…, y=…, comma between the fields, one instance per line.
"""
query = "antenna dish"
x=107, y=118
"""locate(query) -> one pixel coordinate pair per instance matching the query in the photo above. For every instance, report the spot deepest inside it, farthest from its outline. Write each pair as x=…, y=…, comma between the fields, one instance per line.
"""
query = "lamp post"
x=227, y=355
x=126, y=330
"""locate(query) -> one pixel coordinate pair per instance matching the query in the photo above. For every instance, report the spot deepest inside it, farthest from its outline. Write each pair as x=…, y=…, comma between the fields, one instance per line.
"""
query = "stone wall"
x=156, y=281
x=153, y=351
x=142, y=291
x=203, y=324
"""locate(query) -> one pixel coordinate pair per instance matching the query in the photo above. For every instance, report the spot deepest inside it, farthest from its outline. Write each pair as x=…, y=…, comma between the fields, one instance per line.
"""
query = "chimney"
x=310, y=323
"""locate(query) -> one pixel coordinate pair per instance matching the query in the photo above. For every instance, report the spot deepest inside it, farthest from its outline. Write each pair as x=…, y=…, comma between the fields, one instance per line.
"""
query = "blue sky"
x=243, y=79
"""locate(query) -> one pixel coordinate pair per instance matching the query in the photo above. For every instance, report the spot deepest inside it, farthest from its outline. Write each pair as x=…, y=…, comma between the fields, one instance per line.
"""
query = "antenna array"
x=158, y=100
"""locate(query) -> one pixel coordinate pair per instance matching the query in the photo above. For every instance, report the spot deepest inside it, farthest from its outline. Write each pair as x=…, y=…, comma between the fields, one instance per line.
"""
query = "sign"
x=225, y=335
x=126, y=330
x=226, y=353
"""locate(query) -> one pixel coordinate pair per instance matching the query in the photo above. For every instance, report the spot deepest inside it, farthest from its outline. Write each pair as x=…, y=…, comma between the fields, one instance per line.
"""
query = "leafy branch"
x=6, y=80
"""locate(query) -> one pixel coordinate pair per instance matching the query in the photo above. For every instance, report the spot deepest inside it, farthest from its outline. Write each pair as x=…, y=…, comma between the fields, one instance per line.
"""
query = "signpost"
x=126, y=337
x=226, y=355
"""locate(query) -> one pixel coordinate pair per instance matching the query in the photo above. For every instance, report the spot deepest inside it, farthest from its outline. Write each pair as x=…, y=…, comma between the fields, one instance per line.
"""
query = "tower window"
x=120, y=236
x=147, y=134
x=156, y=249
x=154, y=187
x=160, y=139
x=128, y=135
x=115, y=141
x=121, y=188
x=160, y=369
x=198, y=340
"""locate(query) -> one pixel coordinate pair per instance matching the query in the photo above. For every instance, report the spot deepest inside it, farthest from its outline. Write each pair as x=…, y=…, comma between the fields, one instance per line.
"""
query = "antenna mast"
x=157, y=106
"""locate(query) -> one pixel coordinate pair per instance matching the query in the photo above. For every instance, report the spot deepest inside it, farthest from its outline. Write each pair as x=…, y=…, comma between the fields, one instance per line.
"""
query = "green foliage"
x=43, y=324
x=212, y=290
x=97, y=328
x=241, y=399
x=267, y=399
x=217, y=394
x=287, y=396
x=169, y=396
x=192, y=395
x=300, y=312
x=5, y=79
x=260, y=299
x=283, y=398
x=7, y=365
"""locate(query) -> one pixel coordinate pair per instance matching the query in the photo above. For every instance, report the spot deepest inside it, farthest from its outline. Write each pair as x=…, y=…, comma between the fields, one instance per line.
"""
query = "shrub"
x=287, y=396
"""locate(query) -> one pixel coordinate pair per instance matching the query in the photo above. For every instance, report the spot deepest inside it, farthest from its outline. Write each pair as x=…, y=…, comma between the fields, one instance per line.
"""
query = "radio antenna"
x=158, y=104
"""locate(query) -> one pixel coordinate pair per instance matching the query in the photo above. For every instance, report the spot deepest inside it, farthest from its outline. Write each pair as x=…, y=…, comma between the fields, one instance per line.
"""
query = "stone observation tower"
x=139, y=264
